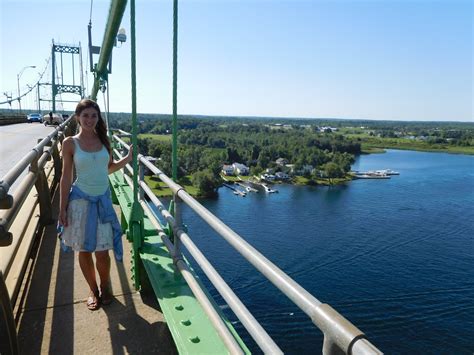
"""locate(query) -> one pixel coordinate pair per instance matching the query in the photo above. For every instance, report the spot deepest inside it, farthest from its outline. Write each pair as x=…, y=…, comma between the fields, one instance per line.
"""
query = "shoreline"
x=160, y=190
x=381, y=150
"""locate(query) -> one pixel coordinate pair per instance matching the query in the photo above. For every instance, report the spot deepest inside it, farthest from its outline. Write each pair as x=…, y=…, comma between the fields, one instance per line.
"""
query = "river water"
x=395, y=257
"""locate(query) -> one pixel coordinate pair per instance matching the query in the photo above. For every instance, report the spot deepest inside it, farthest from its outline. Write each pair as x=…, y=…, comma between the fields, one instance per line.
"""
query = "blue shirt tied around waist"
x=100, y=209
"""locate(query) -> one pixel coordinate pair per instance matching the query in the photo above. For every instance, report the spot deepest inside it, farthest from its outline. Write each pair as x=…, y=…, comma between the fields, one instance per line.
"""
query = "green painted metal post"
x=175, y=91
x=136, y=227
x=176, y=205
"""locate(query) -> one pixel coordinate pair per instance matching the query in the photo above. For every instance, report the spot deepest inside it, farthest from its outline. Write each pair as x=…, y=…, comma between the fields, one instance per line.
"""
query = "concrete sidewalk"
x=52, y=316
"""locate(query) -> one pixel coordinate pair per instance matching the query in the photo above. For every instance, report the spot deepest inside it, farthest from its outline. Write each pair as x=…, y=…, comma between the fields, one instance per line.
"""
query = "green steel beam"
x=116, y=11
x=192, y=331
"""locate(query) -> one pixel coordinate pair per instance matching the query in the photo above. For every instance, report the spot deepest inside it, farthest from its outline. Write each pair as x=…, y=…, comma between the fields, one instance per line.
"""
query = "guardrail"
x=6, y=119
x=18, y=235
x=340, y=336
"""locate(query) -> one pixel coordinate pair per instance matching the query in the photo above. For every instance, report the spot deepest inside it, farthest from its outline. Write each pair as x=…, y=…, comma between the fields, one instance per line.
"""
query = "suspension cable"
x=106, y=107
x=30, y=88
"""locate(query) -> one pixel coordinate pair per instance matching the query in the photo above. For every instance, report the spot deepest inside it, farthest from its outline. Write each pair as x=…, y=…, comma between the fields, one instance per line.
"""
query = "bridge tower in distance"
x=59, y=87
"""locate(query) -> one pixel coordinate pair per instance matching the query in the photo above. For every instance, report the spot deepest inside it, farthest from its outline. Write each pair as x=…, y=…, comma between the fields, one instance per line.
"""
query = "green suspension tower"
x=60, y=87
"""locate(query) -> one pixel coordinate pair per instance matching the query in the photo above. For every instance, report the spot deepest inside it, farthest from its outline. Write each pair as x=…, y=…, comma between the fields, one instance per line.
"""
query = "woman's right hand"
x=62, y=218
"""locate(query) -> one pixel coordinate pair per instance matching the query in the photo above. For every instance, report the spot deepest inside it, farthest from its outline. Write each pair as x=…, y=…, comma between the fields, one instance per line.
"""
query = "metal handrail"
x=12, y=175
x=36, y=161
x=339, y=333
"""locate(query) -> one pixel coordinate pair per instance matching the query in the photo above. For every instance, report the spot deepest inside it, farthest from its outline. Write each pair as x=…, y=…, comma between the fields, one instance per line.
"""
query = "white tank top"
x=91, y=170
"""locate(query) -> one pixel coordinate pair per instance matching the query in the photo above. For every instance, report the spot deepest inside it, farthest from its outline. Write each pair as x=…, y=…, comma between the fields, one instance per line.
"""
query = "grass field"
x=158, y=137
x=301, y=180
x=160, y=189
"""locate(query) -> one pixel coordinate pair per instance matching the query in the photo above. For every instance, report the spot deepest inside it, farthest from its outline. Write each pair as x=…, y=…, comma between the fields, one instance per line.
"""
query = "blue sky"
x=397, y=60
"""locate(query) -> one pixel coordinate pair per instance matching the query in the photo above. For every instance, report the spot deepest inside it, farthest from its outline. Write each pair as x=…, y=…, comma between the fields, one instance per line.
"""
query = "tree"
x=256, y=170
x=206, y=182
x=332, y=170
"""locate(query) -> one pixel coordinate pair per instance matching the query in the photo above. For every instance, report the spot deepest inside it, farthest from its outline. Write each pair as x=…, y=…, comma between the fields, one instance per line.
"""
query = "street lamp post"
x=18, y=82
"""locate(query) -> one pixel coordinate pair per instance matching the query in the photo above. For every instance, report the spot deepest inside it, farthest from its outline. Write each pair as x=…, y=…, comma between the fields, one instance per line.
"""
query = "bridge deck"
x=52, y=316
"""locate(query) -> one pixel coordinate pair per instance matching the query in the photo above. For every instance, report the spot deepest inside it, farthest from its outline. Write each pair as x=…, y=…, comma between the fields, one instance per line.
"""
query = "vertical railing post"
x=331, y=348
x=178, y=220
x=56, y=161
x=141, y=177
x=44, y=195
x=70, y=129
x=135, y=226
x=9, y=342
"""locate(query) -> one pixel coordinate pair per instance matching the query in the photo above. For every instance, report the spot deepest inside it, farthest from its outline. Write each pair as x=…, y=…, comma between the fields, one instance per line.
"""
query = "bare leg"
x=103, y=267
x=87, y=266
x=88, y=270
x=102, y=262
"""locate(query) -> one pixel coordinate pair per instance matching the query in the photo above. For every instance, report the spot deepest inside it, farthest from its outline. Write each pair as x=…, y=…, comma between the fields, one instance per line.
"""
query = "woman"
x=85, y=209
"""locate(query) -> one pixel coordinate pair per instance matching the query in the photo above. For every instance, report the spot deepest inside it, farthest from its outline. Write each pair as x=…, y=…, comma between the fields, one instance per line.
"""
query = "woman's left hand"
x=130, y=154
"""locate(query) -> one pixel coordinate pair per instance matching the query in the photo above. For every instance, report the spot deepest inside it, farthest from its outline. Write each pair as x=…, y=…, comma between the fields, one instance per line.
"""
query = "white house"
x=228, y=170
x=328, y=129
x=240, y=169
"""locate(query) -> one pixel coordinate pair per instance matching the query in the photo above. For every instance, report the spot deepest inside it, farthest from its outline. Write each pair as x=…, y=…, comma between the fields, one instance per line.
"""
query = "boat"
x=371, y=176
x=268, y=189
x=250, y=189
x=388, y=172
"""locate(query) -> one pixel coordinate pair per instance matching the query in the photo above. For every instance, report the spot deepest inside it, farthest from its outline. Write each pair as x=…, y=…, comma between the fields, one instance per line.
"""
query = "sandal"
x=106, y=296
x=93, y=302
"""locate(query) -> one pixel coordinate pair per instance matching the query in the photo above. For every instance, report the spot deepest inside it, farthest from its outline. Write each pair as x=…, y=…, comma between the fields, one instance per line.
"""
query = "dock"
x=247, y=188
x=236, y=191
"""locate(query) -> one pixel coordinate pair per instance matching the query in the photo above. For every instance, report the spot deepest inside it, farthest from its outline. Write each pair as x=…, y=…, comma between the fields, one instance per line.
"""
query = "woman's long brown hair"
x=100, y=128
